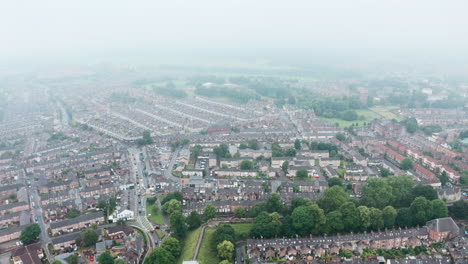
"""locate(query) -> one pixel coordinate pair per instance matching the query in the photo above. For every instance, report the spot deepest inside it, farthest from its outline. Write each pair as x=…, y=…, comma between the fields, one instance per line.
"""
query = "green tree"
x=333, y=198
x=297, y=144
x=266, y=225
x=341, y=137
x=56, y=262
x=376, y=193
x=439, y=209
x=73, y=213
x=285, y=166
x=350, y=216
x=105, y=258
x=404, y=218
x=225, y=262
x=402, y=193
x=178, y=225
x=194, y=220
x=365, y=217
x=334, y=223
x=72, y=259
x=302, y=174
x=421, y=211
x=224, y=233
x=411, y=124
x=172, y=195
x=120, y=261
x=444, y=179
x=160, y=256
x=274, y=203
x=406, y=164
x=239, y=212
x=30, y=234
x=290, y=152
x=172, y=206
x=209, y=212
x=377, y=221
x=172, y=245
x=246, y=165
x=384, y=172
x=307, y=219
x=335, y=181
x=426, y=191
x=460, y=209
x=389, y=215
x=89, y=237
x=253, y=144
x=225, y=250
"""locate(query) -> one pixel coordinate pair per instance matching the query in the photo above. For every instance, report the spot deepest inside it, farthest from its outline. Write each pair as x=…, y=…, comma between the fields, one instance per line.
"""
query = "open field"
x=242, y=228
x=154, y=214
x=207, y=253
x=387, y=112
x=189, y=244
x=367, y=114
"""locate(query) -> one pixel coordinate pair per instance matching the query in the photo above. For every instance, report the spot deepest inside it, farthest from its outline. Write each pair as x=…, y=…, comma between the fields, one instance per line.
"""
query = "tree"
x=404, y=218
x=426, y=191
x=160, y=256
x=285, y=166
x=421, y=211
x=178, y=226
x=172, y=245
x=411, y=124
x=350, y=216
x=334, y=223
x=402, y=193
x=335, y=181
x=290, y=152
x=146, y=139
x=377, y=221
x=365, y=217
x=120, y=261
x=30, y=234
x=225, y=250
x=302, y=174
x=253, y=144
x=105, y=258
x=56, y=262
x=172, y=206
x=389, y=215
x=239, y=212
x=246, y=165
x=73, y=213
x=341, y=137
x=376, y=193
x=224, y=233
x=349, y=115
x=439, y=209
x=225, y=262
x=194, y=220
x=384, y=172
x=209, y=212
x=172, y=195
x=307, y=219
x=266, y=225
x=274, y=203
x=460, y=209
x=333, y=198
x=406, y=164
x=72, y=259
x=89, y=237
x=444, y=179
x=297, y=144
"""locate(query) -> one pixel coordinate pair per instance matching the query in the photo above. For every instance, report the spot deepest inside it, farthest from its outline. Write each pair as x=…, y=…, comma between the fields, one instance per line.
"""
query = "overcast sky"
x=32, y=29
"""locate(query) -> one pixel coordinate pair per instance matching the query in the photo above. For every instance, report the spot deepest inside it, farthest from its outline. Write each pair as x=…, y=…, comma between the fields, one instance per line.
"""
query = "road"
x=37, y=212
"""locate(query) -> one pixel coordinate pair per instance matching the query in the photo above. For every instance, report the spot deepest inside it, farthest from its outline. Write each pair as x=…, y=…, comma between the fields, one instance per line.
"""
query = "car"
x=157, y=226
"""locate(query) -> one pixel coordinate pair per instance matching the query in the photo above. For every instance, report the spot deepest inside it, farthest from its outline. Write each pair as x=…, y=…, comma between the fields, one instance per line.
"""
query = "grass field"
x=367, y=115
x=154, y=214
x=207, y=253
x=242, y=228
x=189, y=245
x=387, y=112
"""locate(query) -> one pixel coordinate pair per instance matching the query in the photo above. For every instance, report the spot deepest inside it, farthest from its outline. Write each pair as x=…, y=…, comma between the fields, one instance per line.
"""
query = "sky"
x=70, y=29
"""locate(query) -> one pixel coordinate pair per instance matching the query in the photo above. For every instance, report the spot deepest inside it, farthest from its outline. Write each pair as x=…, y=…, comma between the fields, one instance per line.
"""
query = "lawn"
x=242, y=228
x=154, y=214
x=387, y=111
x=207, y=253
x=368, y=116
x=189, y=244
